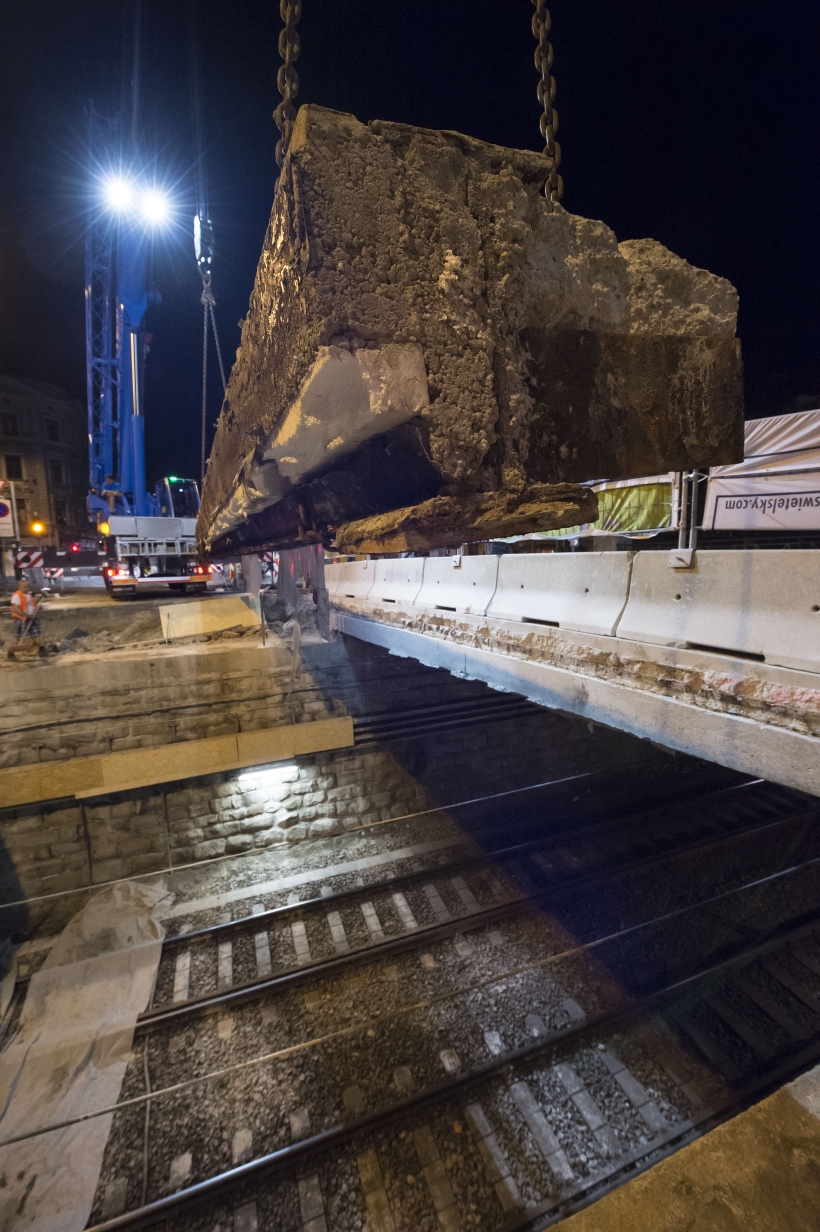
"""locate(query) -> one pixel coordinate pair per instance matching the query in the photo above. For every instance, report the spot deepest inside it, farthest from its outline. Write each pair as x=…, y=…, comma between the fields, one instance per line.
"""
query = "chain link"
x=541, y=24
x=287, y=79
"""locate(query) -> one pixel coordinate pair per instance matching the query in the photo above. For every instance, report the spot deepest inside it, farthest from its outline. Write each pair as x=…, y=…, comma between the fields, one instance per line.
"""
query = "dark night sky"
x=696, y=122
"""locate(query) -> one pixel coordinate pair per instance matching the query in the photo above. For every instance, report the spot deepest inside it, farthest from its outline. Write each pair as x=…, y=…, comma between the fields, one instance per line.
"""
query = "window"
x=55, y=470
x=21, y=509
x=52, y=430
x=14, y=466
x=60, y=513
x=8, y=424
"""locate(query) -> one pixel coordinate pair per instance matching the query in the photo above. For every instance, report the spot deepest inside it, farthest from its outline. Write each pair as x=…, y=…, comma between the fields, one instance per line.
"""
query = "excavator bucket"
x=433, y=354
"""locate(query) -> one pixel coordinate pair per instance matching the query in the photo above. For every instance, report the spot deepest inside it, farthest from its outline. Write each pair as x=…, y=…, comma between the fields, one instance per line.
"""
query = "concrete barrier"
x=763, y=604
x=585, y=591
x=352, y=579
x=397, y=581
x=459, y=583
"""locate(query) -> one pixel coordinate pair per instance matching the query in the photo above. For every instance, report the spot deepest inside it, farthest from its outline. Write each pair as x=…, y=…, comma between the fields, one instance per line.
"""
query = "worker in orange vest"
x=24, y=612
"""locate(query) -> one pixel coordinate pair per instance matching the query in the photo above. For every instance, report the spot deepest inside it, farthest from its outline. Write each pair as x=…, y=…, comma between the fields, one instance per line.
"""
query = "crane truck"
x=148, y=537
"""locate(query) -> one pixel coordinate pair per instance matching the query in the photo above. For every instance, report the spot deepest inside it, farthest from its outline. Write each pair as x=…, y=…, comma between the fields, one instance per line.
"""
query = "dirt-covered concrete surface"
x=758, y=1173
x=423, y=323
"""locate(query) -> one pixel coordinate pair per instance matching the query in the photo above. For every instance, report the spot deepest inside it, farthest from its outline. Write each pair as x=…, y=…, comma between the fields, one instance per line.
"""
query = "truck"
x=146, y=552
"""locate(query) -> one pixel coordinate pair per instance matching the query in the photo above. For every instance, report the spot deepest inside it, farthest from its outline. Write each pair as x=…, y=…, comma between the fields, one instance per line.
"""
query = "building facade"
x=44, y=456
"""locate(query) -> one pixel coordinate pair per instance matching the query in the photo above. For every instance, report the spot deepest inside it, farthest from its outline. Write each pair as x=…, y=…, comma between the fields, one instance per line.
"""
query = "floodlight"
x=119, y=193
x=155, y=207
x=265, y=777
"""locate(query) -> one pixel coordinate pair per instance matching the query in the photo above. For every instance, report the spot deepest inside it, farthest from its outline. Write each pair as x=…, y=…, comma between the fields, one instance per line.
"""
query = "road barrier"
x=586, y=591
x=759, y=604
x=459, y=583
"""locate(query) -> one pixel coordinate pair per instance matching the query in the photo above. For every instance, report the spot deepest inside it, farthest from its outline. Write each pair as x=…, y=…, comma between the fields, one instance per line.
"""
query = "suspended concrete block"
x=424, y=326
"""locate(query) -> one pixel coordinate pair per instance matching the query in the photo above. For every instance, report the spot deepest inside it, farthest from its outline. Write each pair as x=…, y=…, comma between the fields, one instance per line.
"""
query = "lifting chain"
x=287, y=78
x=541, y=24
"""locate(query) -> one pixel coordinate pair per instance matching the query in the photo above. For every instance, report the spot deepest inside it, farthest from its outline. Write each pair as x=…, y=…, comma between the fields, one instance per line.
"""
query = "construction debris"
x=424, y=326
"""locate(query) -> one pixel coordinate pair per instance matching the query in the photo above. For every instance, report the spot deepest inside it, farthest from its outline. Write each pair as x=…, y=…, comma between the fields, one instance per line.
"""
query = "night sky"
x=696, y=122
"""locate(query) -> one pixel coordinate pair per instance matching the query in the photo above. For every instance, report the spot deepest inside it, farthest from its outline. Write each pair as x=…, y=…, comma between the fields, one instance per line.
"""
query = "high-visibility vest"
x=23, y=606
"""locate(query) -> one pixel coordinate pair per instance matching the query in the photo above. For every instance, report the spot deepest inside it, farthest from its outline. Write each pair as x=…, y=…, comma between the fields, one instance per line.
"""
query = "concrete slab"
x=760, y=1172
x=210, y=616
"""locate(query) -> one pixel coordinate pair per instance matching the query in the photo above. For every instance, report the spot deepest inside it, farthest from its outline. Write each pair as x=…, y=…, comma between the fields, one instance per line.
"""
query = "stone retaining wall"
x=59, y=848
x=108, y=704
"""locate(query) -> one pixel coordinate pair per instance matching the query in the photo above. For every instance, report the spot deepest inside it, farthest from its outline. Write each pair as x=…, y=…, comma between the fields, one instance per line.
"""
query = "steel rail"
x=546, y=1214
x=386, y=884
x=43, y=805
x=252, y=990
x=553, y=1044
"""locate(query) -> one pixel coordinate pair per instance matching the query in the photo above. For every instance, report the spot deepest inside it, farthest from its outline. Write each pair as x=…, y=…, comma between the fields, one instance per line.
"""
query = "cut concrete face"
x=424, y=323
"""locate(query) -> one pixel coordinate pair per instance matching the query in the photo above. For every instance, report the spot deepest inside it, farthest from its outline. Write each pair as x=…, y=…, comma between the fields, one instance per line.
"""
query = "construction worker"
x=24, y=612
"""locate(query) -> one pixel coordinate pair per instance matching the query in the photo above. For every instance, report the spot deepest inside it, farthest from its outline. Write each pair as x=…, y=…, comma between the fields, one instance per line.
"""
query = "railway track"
x=539, y=1130
x=473, y=1044
x=241, y=960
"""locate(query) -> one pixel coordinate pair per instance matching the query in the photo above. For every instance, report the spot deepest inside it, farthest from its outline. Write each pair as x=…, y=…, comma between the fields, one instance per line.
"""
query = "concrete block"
x=211, y=847
x=324, y=826
x=285, y=816
x=395, y=581
x=624, y=355
x=584, y=591
x=353, y=579
x=459, y=583
x=239, y=842
x=296, y=833
x=225, y=829
x=759, y=603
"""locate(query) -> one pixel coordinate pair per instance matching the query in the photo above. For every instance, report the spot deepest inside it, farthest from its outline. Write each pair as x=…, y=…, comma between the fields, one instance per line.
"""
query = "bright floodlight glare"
x=155, y=208
x=266, y=777
x=118, y=193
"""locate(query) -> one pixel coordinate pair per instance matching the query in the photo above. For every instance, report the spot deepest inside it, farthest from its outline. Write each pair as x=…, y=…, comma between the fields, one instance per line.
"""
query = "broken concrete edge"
x=757, y=1171
x=520, y=662
x=446, y=520
x=519, y=345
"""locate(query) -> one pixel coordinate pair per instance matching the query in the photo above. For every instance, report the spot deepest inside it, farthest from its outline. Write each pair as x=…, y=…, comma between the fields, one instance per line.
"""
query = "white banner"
x=6, y=519
x=777, y=485
x=764, y=502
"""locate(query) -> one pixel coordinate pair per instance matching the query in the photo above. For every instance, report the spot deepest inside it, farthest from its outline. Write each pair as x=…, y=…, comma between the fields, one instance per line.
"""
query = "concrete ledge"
x=210, y=615
x=760, y=1172
x=83, y=777
x=730, y=739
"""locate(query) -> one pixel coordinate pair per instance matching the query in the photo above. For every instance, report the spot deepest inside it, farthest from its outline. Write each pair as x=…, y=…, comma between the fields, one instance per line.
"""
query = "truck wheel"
x=198, y=589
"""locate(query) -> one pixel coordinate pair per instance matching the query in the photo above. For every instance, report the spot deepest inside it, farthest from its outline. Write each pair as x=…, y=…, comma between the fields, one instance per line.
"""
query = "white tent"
x=777, y=486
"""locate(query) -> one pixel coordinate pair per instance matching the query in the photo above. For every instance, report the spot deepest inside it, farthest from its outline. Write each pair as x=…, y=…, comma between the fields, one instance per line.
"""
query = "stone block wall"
x=70, y=846
x=50, y=849
x=107, y=705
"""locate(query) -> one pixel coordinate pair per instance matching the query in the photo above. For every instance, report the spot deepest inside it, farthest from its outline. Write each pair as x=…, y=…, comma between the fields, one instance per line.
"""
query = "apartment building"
x=44, y=454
